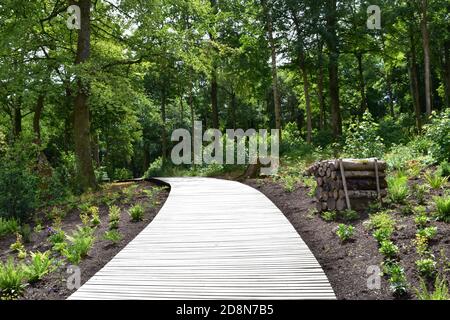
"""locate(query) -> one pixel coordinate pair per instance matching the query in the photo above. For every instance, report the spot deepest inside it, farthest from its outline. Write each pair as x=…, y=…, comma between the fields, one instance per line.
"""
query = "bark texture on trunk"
x=427, y=55
x=414, y=83
x=81, y=117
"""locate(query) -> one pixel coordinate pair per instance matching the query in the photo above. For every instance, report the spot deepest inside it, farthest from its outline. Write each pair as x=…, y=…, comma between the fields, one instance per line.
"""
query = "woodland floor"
x=346, y=264
x=53, y=286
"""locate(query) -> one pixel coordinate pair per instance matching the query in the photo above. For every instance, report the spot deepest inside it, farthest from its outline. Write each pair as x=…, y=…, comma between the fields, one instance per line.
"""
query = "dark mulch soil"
x=346, y=265
x=54, y=286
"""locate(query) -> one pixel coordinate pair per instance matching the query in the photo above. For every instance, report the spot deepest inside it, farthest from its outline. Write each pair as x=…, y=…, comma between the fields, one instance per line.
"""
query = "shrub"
x=18, y=181
x=137, y=213
x=444, y=169
x=419, y=192
x=122, y=174
x=434, y=180
x=438, y=132
x=443, y=208
x=440, y=290
x=349, y=215
x=345, y=233
x=155, y=168
x=19, y=247
x=79, y=244
x=95, y=216
x=26, y=231
x=426, y=267
x=114, y=217
x=362, y=139
x=113, y=235
x=421, y=243
x=398, y=188
x=388, y=249
x=421, y=220
x=382, y=234
x=41, y=265
x=12, y=278
x=8, y=226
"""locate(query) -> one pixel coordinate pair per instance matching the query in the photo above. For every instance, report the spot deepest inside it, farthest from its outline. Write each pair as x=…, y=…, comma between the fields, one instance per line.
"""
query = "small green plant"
x=426, y=267
x=428, y=233
x=349, y=215
x=398, y=188
x=345, y=233
x=444, y=169
x=435, y=180
x=382, y=220
x=443, y=208
x=440, y=290
x=397, y=280
x=419, y=192
x=95, y=216
x=41, y=265
x=136, y=213
x=421, y=243
x=129, y=193
x=382, y=234
x=8, y=226
x=421, y=221
x=56, y=212
x=19, y=247
x=388, y=249
x=114, y=217
x=407, y=210
x=113, y=235
x=79, y=244
x=12, y=279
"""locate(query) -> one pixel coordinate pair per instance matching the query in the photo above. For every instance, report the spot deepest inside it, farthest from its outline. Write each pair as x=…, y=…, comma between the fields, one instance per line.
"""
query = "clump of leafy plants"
x=345, y=233
x=444, y=169
x=443, y=208
x=421, y=218
x=113, y=235
x=440, y=291
x=12, y=280
x=349, y=215
x=397, y=280
x=19, y=247
x=419, y=192
x=79, y=244
x=398, y=188
x=8, y=226
x=26, y=233
x=41, y=265
x=95, y=216
x=388, y=249
x=382, y=220
x=426, y=267
x=114, y=217
x=136, y=213
x=435, y=180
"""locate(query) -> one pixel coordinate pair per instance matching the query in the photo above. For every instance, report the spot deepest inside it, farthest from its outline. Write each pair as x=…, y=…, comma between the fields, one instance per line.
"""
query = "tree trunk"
x=446, y=72
x=427, y=55
x=320, y=88
x=164, y=133
x=276, y=95
x=214, y=100
x=333, y=67
x=362, y=84
x=414, y=83
x=37, y=118
x=17, y=121
x=233, y=110
x=81, y=126
x=307, y=97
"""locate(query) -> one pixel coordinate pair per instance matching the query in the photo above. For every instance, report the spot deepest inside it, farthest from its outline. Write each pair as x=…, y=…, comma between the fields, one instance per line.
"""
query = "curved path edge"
x=212, y=239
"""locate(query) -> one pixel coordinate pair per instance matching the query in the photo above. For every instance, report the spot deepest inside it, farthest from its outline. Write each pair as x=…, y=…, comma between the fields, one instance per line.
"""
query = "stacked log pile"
x=354, y=182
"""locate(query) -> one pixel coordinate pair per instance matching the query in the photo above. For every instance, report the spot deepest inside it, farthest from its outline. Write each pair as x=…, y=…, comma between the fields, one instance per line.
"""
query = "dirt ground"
x=346, y=265
x=54, y=286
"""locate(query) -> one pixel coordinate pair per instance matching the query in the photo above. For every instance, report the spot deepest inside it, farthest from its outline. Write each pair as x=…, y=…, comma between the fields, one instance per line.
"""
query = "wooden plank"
x=213, y=239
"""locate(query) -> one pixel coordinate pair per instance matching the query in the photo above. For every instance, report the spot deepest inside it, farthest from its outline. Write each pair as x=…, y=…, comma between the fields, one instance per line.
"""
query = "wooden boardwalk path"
x=213, y=239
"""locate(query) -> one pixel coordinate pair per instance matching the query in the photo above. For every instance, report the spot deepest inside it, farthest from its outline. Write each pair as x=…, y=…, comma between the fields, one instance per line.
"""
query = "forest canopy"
x=81, y=105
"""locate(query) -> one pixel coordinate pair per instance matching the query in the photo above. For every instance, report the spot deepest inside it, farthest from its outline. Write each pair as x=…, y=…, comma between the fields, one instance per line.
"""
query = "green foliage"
x=398, y=188
x=388, y=249
x=382, y=220
x=362, y=139
x=444, y=169
x=113, y=235
x=18, y=181
x=136, y=213
x=428, y=233
x=426, y=267
x=419, y=191
x=155, y=168
x=397, y=280
x=26, y=232
x=349, y=215
x=345, y=233
x=114, y=217
x=79, y=244
x=19, y=247
x=421, y=218
x=12, y=279
x=435, y=180
x=8, y=226
x=438, y=132
x=382, y=234
x=122, y=174
x=329, y=216
x=440, y=290
x=443, y=208
x=41, y=265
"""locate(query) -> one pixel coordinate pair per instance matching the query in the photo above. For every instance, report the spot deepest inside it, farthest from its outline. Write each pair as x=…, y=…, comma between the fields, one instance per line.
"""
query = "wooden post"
x=344, y=182
x=377, y=180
